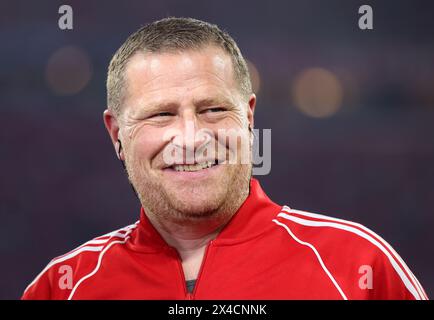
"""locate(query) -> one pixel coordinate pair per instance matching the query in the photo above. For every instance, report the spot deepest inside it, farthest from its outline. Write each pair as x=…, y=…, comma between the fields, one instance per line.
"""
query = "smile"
x=194, y=167
x=192, y=172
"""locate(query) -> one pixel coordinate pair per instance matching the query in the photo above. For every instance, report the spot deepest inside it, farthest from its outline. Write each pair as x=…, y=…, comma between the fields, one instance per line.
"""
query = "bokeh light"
x=317, y=93
x=68, y=70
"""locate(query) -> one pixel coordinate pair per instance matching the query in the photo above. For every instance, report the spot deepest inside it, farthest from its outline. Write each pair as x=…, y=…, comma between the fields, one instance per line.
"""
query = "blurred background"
x=351, y=113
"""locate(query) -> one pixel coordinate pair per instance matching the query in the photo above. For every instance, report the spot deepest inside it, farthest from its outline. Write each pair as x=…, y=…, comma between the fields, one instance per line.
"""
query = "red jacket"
x=266, y=251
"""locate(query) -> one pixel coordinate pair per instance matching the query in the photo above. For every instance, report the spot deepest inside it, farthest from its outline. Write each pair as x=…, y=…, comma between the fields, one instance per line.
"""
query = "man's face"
x=171, y=97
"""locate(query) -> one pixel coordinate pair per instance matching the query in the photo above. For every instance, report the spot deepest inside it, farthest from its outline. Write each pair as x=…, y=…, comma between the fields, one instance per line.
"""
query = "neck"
x=194, y=234
x=190, y=240
x=189, y=235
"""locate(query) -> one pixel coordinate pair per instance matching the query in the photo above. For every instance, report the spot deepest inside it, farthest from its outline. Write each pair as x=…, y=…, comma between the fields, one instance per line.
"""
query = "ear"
x=112, y=126
x=251, y=110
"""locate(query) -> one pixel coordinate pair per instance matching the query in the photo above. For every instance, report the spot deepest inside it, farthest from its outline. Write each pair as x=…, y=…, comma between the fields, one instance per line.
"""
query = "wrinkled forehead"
x=150, y=72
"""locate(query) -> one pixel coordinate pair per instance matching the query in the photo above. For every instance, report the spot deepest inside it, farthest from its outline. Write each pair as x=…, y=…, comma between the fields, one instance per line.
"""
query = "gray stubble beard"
x=159, y=205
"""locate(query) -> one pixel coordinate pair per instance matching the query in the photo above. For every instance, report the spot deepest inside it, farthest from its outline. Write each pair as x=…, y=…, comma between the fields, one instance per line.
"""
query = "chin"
x=195, y=205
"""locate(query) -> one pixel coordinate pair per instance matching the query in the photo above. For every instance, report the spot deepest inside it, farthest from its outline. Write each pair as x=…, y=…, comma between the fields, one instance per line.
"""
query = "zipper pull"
x=189, y=296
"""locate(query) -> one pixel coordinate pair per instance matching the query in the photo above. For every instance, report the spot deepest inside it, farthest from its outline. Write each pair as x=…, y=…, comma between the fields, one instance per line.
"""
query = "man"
x=206, y=229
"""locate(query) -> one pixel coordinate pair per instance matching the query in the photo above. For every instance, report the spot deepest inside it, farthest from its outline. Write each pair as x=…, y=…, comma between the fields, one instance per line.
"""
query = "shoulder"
x=79, y=261
x=348, y=249
x=328, y=230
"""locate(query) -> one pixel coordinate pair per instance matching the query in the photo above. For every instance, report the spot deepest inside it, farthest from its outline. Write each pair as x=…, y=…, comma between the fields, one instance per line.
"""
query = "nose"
x=190, y=137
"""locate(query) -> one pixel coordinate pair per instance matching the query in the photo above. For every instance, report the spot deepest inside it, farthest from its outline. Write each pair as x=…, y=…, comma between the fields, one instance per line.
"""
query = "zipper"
x=188, y=295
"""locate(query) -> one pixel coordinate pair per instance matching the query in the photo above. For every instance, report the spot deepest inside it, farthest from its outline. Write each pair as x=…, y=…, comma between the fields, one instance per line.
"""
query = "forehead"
x=176, y=74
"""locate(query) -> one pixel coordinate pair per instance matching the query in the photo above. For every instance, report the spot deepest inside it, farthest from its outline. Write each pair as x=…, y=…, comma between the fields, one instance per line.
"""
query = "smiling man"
x=180, y=117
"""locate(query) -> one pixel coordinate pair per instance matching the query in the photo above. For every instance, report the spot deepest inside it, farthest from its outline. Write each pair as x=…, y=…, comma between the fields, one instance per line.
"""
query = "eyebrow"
x=210, y=102
x=204, y=102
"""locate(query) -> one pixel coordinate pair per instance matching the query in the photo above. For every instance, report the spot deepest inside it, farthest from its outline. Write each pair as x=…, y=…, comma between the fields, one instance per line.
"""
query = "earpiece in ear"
x=119, y=149
x=125, y=168
x=119, y=154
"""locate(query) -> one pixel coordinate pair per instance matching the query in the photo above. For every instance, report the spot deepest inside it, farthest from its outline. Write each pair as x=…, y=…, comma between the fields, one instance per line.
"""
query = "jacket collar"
x=251, y=220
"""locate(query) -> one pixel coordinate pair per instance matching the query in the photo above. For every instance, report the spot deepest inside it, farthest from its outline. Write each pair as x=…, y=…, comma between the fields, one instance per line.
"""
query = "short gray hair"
x=167, y=35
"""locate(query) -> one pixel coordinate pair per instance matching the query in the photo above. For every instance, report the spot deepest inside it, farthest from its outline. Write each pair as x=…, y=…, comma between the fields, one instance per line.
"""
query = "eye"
x=213, y=110
x=161, y=114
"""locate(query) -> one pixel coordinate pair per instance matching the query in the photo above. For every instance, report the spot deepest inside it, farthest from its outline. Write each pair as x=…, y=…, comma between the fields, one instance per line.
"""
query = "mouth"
x=193, y=167
x=186, y=173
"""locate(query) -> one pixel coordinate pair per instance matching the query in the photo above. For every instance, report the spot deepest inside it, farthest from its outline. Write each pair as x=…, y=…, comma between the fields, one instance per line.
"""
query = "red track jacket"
x=266, y=251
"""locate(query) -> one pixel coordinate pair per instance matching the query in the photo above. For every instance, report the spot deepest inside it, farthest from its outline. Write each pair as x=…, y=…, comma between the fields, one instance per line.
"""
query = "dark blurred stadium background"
x=351, y=112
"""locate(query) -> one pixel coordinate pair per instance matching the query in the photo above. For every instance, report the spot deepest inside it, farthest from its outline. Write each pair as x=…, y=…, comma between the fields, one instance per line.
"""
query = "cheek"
x=234, y=142
x=235, y=120
x=146, y=145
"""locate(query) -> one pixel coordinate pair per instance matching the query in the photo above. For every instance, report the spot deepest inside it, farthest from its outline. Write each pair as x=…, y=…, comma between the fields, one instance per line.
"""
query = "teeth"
x=193, y=167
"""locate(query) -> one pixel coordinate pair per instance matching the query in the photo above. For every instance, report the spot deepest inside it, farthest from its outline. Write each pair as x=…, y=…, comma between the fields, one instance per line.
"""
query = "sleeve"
x=363, y=265
x=391, y=278
x=57, y=280
x=53, y=283
x=367, y=267
x=38, y=289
